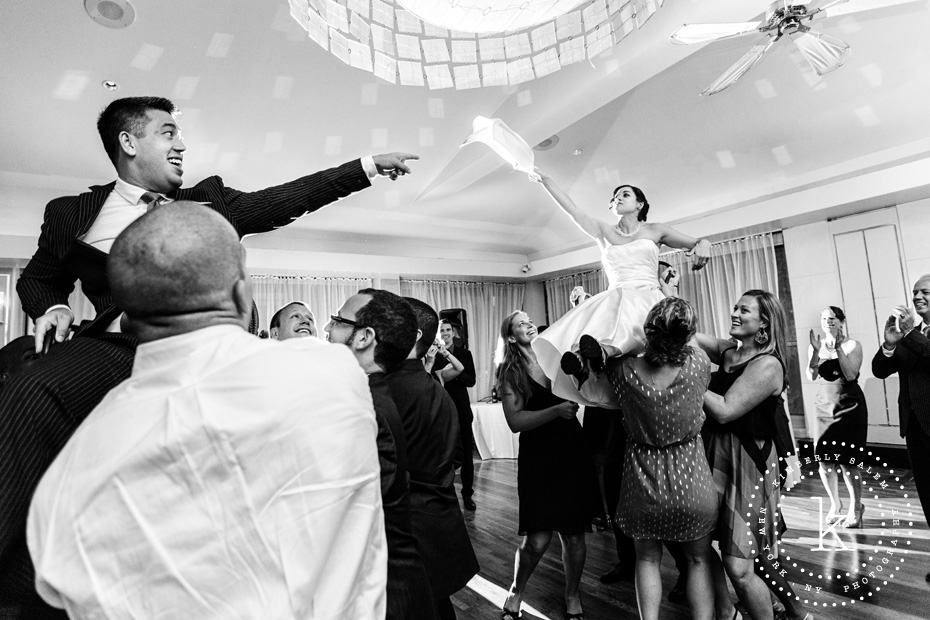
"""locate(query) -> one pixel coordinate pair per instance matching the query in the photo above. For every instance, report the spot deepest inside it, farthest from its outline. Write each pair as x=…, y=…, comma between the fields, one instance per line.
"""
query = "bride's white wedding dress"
x=614, y=318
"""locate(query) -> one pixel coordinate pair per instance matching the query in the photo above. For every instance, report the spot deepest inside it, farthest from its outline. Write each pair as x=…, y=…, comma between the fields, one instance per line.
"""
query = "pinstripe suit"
x=48, y=279
x=41, y=408
x=911, y=360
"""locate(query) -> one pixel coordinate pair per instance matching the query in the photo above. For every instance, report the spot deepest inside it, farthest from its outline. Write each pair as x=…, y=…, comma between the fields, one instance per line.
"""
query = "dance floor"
x=874, y=572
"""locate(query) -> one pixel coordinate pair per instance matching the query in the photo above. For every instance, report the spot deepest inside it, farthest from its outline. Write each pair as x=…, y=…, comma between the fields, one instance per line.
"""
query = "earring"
x=761, y=337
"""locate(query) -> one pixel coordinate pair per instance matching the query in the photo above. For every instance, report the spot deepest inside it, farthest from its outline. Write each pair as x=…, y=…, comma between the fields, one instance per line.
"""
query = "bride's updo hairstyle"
x=640, y=197
x=669, y=326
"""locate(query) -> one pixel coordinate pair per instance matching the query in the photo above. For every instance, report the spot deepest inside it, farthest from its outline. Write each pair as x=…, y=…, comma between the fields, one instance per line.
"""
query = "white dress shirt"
x=229, y=477
x=122, y=207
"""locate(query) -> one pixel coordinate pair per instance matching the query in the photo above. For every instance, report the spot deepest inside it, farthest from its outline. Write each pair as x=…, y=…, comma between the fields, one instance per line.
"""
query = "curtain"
x=324, y=295
x=558, y=290
x=485, y=303
x=735, y=267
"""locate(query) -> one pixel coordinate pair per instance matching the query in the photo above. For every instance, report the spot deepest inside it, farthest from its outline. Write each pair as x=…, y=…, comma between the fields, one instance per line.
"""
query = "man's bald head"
x=177, y=267
x=922, y=297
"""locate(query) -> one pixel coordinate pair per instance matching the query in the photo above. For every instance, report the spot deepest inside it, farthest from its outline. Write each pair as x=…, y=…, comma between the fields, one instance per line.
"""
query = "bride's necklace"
x=623, y=233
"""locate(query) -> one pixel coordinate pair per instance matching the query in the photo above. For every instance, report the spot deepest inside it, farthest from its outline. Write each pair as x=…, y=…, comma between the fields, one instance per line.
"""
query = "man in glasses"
x=380, y=328
x=293, y=320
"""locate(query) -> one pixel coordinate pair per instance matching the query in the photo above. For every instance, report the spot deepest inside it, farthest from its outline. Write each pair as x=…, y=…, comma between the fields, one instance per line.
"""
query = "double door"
x=870, y=258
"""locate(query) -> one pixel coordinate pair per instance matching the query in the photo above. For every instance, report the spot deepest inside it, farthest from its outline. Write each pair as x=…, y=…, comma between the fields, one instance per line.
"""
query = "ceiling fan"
x=784, y=18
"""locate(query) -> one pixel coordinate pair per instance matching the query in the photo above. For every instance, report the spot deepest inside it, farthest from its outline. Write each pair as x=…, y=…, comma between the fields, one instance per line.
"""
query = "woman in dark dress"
x=841, y=412
x=667, y=493
x=552, y=467
x=746, y=419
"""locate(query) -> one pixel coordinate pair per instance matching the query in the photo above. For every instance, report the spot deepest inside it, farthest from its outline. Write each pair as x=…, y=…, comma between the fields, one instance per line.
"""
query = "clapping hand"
x=701, y=254
x=815, y=340
x=898, y=324
x=393, y=165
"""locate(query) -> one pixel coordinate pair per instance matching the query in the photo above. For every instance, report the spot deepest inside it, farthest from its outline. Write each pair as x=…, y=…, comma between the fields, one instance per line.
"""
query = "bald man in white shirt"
x=229, y=476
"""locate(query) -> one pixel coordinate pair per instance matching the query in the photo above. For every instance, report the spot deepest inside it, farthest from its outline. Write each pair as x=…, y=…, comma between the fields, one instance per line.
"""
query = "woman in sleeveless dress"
x=841, y=411
x=746, y=419
x=613, y=319
x=667, y=492
x=552, y=467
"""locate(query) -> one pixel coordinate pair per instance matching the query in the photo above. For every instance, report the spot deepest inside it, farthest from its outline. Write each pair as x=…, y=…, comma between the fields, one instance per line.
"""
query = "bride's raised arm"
x=699, y=248
x=592, y=227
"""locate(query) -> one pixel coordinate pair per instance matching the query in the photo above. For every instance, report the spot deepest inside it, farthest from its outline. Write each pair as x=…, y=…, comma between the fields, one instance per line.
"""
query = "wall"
x=815, y=280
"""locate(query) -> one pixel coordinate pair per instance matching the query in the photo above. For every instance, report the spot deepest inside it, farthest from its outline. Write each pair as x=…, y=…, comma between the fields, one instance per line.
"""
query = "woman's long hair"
x=512, y=374
x=669, y=326
x=772, y=312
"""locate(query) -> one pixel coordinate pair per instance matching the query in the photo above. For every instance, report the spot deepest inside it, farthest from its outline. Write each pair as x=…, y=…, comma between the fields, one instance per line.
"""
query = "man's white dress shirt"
x=229, y=477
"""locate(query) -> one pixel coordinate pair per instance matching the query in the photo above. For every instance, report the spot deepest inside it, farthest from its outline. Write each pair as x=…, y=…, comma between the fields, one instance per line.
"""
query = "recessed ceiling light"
x=109, y=85
x=578, y=151
x=547, y=144
x=111, y=13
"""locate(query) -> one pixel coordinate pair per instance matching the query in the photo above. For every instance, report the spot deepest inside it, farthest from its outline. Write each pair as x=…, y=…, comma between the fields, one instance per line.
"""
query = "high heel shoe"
x=857, y=522
x=590, y=349
x=573, y=367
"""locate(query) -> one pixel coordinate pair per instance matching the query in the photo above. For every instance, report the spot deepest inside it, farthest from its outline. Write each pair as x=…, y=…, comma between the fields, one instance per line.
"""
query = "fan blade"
x=741, y=66
x=689, y=34
x=823, y=52
x=845, y=7
x=816, y=6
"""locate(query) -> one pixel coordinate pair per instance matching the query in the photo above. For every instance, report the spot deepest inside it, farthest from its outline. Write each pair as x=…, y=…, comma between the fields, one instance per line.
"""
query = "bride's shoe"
x=590, y=349
x=573, y=367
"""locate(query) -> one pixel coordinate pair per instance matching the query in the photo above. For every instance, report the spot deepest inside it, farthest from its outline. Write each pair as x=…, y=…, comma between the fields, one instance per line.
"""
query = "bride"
x=609, y=324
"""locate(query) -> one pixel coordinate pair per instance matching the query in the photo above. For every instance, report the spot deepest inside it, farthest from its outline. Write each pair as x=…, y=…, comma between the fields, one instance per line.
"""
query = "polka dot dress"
x=667, y=492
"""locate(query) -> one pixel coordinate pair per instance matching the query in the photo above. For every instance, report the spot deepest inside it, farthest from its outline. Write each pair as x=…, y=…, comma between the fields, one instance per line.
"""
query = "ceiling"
x=271, y=105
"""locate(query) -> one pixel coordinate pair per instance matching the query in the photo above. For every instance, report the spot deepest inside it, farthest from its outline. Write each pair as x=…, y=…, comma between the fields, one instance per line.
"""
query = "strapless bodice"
x=632, y=265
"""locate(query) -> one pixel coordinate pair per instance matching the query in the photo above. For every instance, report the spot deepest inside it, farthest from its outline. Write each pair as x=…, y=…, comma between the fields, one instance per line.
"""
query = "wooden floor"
x=905, y=596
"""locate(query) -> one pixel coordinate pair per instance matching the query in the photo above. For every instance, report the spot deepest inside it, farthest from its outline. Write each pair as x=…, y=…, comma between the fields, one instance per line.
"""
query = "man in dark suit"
x=143, y=140
x=380, y=329
x=906, y=351
x=431, y=430
x=40, y=408
x=455, y=366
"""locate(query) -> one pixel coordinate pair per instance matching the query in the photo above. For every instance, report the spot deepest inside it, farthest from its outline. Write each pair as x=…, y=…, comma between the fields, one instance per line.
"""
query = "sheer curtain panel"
x=558, y=290
x=324, y=295
x=735, y=267
x=486, y=304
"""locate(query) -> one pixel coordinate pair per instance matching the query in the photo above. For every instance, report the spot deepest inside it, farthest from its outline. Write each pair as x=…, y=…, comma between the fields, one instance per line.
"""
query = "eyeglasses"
x=335, y=318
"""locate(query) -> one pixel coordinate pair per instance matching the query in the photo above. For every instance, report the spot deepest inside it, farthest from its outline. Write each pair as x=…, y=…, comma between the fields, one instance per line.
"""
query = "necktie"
x=153, y=200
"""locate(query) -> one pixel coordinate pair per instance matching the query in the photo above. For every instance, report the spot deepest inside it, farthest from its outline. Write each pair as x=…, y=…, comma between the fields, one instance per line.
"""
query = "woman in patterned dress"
x=746, y=419
x=667, y=493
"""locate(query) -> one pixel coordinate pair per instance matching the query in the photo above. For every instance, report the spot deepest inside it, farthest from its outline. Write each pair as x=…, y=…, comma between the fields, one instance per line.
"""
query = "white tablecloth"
x=492, y=435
